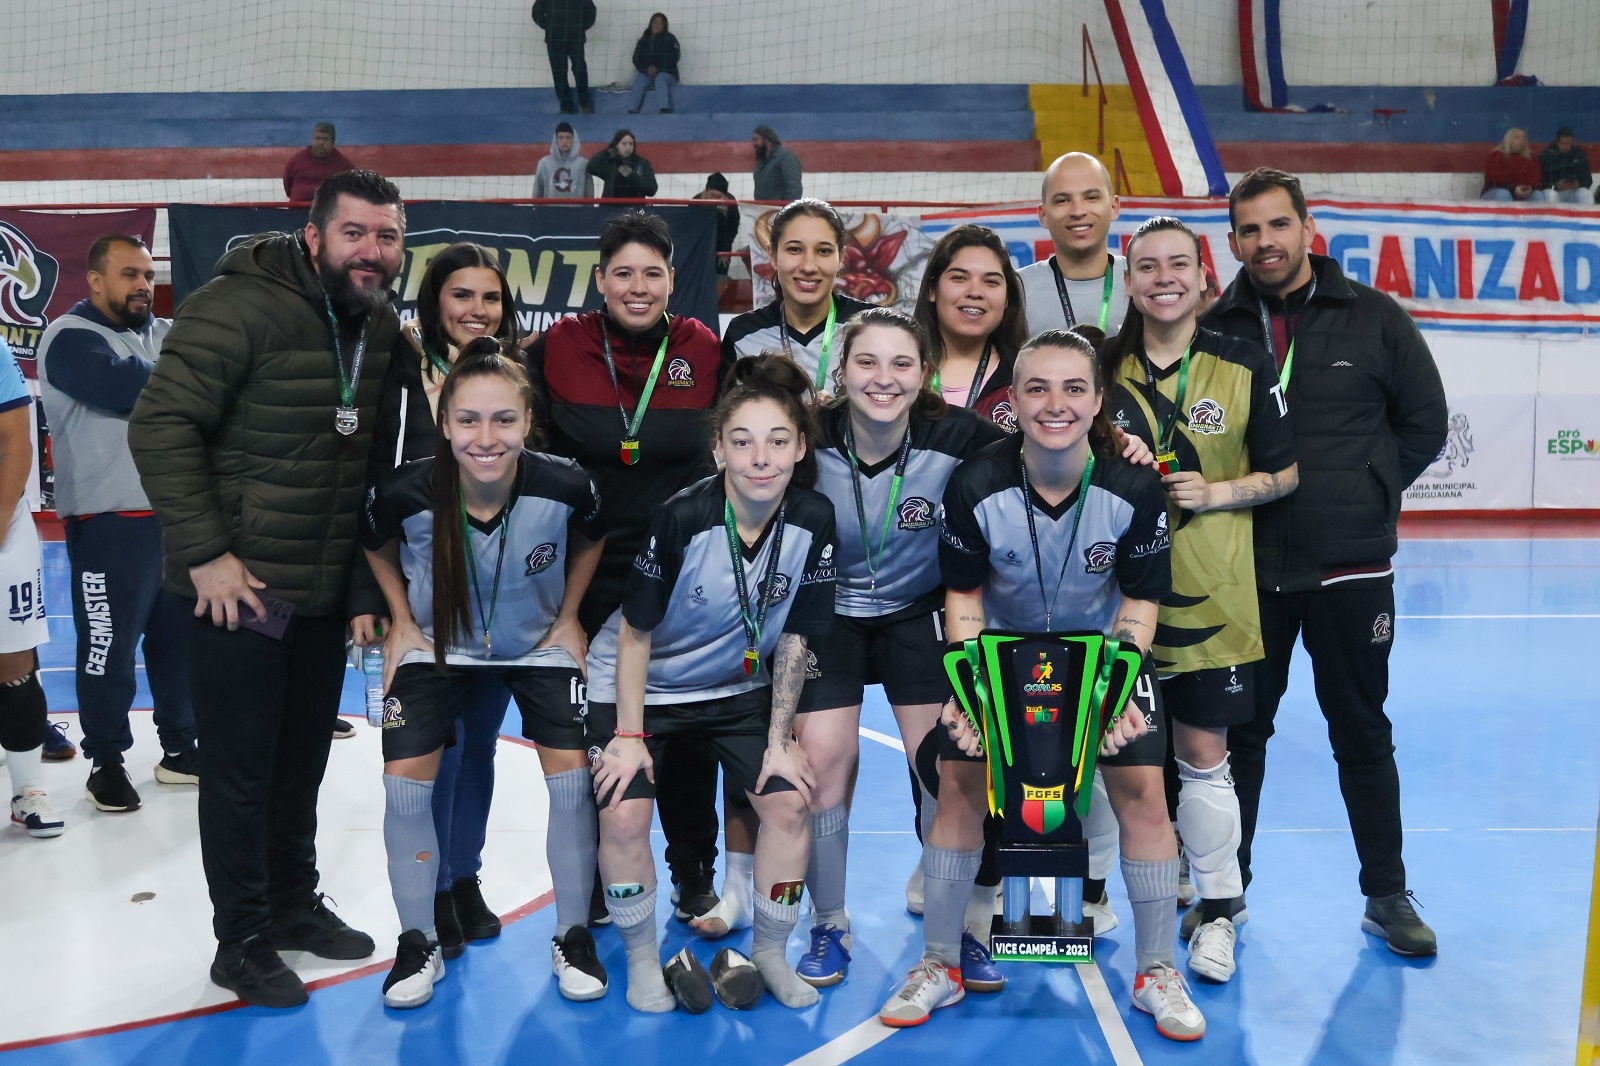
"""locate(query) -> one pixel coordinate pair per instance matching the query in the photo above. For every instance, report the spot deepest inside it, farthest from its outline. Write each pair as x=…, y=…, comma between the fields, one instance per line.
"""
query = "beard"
x=349, y=298
x=761, y=153
x=134, y=320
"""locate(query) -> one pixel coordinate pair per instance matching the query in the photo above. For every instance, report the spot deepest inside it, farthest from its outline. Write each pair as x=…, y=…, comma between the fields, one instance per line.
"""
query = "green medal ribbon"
x=1105, y=292
x=630, y=427
x=472, y=567
x=861, y=508
x=753, y=621
x=827, y=340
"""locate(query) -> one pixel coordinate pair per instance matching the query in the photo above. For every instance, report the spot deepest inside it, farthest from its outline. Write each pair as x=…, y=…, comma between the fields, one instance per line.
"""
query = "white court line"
x=1496, y=616
x=1123, y=1053
x=869, y=1034
x=1538, y=829
x=884, y=738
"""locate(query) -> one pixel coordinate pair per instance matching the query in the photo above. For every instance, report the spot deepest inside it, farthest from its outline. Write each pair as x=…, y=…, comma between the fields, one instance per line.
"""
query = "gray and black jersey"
x=683, y=592
x=1046, y=310
x=1122, y=546
x=907, y=557
x=551, y=497
x=762, y=330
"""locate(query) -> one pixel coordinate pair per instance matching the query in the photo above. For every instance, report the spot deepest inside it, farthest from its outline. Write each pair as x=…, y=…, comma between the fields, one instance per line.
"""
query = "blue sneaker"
x=825, y=963
x=57, y=747
x=978, y=971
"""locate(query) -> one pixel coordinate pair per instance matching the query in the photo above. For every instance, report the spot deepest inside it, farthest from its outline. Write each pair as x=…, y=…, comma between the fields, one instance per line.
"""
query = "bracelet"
x=630, y=736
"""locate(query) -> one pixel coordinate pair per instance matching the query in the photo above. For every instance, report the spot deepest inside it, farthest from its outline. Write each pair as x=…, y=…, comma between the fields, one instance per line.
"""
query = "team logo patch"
x=1233, y=687
x=540, y=558
x=680, y=375
x=595, y=751
x=813, y=668
x=393, y=714
x=777, y=590
x=1004, y=416
x=1120, y=419
x=646, y=563
x=1161, y=523
x=916, y=513
x=1012, y=559
x=698, y=596
x=27, y=282
x=1382, y=628
x=1100, y=557
x=1206, y=416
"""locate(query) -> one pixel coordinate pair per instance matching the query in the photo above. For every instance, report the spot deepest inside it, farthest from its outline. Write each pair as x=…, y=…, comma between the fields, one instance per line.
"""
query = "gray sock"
x=926, y=815
x=570, y=845
x=1153, y=892
x=408, y=833
x=635, y=919
x=947, y=886
x=773, y=924
x=830, y=846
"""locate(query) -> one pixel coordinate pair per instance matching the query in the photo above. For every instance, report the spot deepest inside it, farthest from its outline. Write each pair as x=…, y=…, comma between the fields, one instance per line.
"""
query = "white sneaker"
x=32, y=811
x=928, y=987
x=1211, y=950
x=914, y=890
x=418, y=966
x=1160, y=993
x=579, y=974
x=1101, y=914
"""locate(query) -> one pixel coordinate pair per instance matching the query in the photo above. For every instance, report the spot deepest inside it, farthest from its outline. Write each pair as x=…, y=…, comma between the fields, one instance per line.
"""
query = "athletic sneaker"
x=1394, y=919
x=735, y=979
x=1101, y=914
x=1186, y=889
x=447, y=927
x=694, y=894
x=1160, y=993
x=1191, y=921
x=598, y=914
x=914, y=890
x=978, y=971
x=182, y=768
x=32, y=811
x=929, y=986
x=343, y=730
x=579, y=974
x=110, y=789
x=689, y=982
x=318, y=930
x=828, y=958
x=478, y=922
x=418, y=966
x=57, y=748
x=1211, y=950
x=256, y=974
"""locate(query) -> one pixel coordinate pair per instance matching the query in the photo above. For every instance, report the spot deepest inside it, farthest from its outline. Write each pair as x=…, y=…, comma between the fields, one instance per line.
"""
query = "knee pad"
x=22, y=714
x=1208, y=820
x=1100, y=830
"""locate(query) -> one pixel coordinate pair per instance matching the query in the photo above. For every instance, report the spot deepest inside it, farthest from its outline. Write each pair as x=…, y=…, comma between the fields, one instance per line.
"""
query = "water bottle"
x=372, y=672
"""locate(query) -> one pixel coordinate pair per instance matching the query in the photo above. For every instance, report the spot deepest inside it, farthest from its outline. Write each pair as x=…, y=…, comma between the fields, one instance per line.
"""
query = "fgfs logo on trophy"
x=27, y=281
x=916, y=513
x=1206, y=416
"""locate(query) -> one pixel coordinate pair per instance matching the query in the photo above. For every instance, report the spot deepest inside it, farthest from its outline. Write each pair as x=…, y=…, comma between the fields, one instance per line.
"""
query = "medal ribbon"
x=1266, y=333
x=472, y=560
x=347, y=380
x=1165, y=431
x=630, y=429
x=752, y=622
x=827, y=339
x=1105, y=292
x=1033, y=533
x=861, y=507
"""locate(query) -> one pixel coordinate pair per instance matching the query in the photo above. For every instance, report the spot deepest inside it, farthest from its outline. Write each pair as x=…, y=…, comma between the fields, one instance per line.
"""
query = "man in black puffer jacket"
x=1369, y=415
x=251, y=440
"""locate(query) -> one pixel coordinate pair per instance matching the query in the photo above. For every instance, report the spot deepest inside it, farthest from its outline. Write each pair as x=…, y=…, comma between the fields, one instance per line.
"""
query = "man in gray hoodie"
x=564, y=173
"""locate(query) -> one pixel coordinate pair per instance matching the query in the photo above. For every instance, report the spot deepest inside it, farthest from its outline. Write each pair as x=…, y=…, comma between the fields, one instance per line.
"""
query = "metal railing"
x=1089, y=58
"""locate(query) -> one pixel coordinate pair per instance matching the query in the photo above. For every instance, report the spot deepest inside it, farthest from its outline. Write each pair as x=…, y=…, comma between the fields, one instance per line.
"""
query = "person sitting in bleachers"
x=655, y=64
x=1565, y=169
x=1512, y=173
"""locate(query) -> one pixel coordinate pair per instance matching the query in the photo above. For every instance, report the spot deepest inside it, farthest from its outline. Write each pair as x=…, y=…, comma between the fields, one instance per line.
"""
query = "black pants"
x=1348, y=632
x=117, y=599
x=561, y=53
x=265, y=710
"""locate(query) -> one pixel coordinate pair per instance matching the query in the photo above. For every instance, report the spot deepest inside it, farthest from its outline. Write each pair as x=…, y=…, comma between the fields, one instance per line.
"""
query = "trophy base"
x=1045, y=939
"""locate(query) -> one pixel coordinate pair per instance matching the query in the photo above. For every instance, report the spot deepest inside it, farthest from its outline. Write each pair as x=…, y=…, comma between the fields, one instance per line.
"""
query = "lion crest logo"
x=1004, y=416
x=1206, y=416
x=1100, y=557
x=916, y=514
x=27, y=279
x=680, y=374
x=540, y=558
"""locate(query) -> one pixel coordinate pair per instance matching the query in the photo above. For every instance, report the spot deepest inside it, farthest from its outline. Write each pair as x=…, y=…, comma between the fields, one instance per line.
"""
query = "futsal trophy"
x=1041, y=703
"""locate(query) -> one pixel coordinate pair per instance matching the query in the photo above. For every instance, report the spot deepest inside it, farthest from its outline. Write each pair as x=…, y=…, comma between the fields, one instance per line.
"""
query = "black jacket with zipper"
x=1369, y=415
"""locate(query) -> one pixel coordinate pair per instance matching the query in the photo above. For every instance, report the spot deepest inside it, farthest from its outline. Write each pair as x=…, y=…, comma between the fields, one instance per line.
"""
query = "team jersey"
x=1234, y=422
x=552, y=495
x=1121, y=548
x=13, y=387
x=907, y=557
x=683, y=592
x=762, y=330
x=1043, y=298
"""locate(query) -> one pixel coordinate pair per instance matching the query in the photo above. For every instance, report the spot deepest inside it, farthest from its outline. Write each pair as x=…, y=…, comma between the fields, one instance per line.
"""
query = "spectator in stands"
x=777, y=168
x=1565, y=168
x=627, y=174
x=1512, y=172
x=564, y=173
x=727, y=219
x=655, y=65
x=293, y=333
x=93, y=364
x=310, y=167
x=565, y=22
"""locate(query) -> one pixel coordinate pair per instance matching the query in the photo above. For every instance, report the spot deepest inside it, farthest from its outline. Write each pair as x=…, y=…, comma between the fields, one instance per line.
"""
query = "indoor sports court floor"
x=1500, y=760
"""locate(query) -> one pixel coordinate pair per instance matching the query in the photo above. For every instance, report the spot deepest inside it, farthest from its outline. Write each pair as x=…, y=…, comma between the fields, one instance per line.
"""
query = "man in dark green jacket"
x=251, y=439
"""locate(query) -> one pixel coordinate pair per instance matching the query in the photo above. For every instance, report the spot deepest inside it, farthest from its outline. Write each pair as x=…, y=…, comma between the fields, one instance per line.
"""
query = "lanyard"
x=472, y=560
x=1105, y=292
x=1033, y=533
x=440, y=365
x=630, y=429
x=345, y=416
x=827, y=339
x=752, y=623
x=861, y=508
x=1165, y=432
x=977, y=377
x=1266, y=333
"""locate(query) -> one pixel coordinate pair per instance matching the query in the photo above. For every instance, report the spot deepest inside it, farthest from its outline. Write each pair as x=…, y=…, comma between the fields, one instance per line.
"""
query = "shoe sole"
x=985, y=987
x=904, y=1023
x=292, y=945
x=1211, y=976
x=582, y=997
x=1182, y=1038
x=64, y=756
x=453, y=951
x=827, y=981
x=109, y=809
x=40, y=834
x=1370, y=926
x=413, y=1004
x=169, y=777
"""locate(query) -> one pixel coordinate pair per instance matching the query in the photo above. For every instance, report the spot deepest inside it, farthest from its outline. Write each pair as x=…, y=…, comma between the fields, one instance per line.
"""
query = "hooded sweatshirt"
x=563, y=175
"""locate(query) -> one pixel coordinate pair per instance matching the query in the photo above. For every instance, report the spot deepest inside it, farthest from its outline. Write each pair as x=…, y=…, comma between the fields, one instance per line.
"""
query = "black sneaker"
x=109, y=789
x=418, y=966
x=736, y=980
x=693, y=894
x=254, y=972
x=477, y=921
x=598, y=914
x=343, y=730
x=579, y=973
x=690, y=983
x=180, y=769
x=1394, y=919
x=57, y=748
x=448, y=926
x=318, y=930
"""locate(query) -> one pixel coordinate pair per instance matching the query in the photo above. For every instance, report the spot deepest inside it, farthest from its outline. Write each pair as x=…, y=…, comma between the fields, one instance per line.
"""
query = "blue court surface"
x=1499, y=748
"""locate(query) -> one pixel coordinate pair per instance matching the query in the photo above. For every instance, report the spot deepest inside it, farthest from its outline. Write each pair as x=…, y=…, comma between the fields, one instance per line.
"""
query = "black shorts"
x=903, y=652
x=1216, y=698
x=423, y=704
x=734, y=726
x=1149, y=750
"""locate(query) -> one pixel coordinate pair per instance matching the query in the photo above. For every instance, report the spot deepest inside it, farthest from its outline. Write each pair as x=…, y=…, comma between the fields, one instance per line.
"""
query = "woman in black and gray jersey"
x=807, y=319
x=1050, y=531
x=709, y=647
x=483, y=553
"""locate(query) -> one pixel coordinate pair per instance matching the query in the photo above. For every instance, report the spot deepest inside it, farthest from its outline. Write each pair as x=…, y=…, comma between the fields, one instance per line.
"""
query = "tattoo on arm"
x=788, y=677
x=978, y=618
x=1247, y=492
x=1124, y=628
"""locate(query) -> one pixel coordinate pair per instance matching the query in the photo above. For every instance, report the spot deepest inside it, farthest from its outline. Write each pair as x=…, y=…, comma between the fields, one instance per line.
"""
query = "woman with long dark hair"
x=627, y=174
x=655, y=64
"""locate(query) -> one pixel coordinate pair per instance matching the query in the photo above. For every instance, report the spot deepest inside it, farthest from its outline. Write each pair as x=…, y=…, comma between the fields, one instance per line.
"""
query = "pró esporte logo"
x=28, y=279
x=1573, y=444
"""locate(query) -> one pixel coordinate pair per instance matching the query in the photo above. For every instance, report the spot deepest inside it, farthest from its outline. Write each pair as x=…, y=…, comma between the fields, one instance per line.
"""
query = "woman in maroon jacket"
x=1512, y=172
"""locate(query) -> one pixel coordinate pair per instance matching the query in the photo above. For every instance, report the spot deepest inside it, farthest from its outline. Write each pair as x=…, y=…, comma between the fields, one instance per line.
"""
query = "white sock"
x=25, y=770
x=740, y=880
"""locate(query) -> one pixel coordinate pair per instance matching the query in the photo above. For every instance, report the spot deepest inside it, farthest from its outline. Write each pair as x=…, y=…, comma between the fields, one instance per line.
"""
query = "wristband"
x=630, y=736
